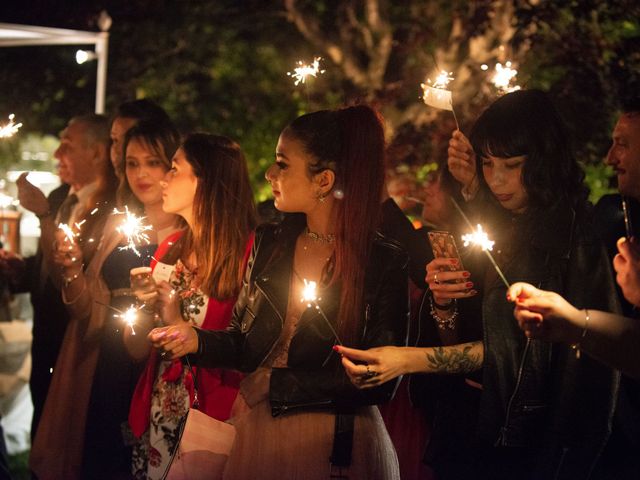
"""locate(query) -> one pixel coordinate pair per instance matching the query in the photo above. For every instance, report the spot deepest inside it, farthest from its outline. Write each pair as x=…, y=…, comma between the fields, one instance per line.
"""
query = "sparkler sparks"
x=482, y=240
x=503, y=77
x=435, y=93
x=478, y=237
x=310, y=295
x=10, y=128
x=133, y=229
x=69, y=234
x=129, y=317
x=303, y=71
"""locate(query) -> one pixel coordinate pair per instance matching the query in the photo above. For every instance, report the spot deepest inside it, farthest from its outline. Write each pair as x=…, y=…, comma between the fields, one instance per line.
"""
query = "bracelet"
x=448, y=306
x=576, y=346
x=448, y=323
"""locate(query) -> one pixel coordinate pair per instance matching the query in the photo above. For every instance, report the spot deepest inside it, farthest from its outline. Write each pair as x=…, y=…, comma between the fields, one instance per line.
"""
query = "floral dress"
x=170, y=398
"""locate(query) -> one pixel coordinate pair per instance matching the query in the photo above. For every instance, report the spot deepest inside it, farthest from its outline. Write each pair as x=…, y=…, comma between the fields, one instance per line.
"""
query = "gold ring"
x=435, y=279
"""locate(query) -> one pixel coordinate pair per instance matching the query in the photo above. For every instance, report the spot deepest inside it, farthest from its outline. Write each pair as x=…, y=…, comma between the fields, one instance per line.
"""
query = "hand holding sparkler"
x=461, y=161
x=175, y=341
x=67, y=253
x=627, y=266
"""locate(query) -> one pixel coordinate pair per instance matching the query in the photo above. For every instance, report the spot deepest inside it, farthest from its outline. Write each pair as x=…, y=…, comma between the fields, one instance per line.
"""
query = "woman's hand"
x=168, y=304
x=461, y=161
x=445, y=285
x=67, y=254
x=143, y=286
x=175, y=341
x=375, y=366
x=545, y=315
x=627, y=266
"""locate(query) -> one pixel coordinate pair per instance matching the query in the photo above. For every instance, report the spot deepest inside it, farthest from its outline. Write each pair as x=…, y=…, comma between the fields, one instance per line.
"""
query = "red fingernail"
x=508, y=296
x=466, y=274
x=469, y=284
x=336, y=348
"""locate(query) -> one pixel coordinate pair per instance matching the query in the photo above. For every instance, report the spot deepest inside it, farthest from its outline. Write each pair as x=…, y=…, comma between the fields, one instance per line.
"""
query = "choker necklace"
x=319, y=237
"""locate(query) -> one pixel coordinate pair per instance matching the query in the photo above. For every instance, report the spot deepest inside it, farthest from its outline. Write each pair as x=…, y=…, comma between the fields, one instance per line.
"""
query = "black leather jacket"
x=314, y=377
x=538, y=395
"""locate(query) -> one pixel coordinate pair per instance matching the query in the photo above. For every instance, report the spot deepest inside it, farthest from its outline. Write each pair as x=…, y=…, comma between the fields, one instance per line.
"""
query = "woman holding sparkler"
x=304, y=417
x=546, y=408
x=94, y=376
x=208, y=187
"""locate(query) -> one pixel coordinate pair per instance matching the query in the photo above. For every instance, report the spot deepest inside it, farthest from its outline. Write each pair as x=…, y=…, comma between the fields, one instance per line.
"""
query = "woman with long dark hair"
x=208, y=186
x=546, y=409
x=303, y=417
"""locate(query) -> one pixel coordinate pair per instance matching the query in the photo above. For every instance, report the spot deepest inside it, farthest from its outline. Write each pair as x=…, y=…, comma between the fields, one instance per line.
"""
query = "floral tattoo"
x=454, y=359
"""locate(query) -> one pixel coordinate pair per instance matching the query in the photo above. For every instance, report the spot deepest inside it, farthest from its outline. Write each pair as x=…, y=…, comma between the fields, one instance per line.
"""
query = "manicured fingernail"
x=466, y=274
x=508, y=296
x=336, y=348
x=473, y=292
x=469, y=284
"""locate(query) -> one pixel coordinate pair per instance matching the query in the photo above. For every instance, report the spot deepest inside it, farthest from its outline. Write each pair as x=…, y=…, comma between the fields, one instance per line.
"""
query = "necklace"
x=320, y=237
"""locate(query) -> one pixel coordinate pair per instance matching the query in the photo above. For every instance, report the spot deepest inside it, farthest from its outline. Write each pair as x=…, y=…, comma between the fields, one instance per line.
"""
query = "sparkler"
x=134, y=229
x=628, y=226
x=435, y=93
x=10, y=128
x=480, y=239
x=310, y=295
x=303, y=71
x=129, y=317
x=503, y=76
x=69, y=234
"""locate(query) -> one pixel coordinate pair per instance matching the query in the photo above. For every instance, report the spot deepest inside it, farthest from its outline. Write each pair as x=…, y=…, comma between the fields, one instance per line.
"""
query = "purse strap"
x=196, y=402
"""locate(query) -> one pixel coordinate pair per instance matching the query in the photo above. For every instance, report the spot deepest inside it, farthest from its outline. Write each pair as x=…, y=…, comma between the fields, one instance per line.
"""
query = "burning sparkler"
x=69, y=234
x=435, y=93
x=129, y=317
x=10, y=128
x=503, y=77
x=628, y=226
x=303, y=71
x=310, y=295
x=133, y=229
x=480, y=239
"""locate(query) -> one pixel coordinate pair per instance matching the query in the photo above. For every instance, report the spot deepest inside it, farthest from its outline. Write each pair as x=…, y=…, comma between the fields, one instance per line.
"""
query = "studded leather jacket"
x=314, y=376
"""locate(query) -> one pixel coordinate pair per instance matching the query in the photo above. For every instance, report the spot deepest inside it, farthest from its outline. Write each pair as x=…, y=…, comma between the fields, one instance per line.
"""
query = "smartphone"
x=443, y=245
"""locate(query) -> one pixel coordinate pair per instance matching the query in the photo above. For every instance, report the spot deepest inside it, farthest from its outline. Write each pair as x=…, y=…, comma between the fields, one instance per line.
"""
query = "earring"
x=320, y=197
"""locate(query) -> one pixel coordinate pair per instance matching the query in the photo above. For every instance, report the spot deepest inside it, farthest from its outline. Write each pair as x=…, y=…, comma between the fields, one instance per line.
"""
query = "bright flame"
x=503, y=77
x=442, y=80
x=10, y=128
x=479, y=238
x=133, y=229
x=129, y=317
x=309, y=292
x=68, y=232
x=303, y=71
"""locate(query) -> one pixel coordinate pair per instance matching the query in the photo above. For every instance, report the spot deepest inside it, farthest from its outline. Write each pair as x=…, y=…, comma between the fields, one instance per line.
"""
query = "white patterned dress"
x=170, y=398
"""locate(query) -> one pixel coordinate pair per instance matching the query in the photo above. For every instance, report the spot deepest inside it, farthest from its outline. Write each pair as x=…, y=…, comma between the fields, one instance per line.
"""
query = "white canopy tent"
x=14, y=35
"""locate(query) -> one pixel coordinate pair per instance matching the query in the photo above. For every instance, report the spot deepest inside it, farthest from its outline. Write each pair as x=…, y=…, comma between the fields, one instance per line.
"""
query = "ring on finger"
x=369, y=374
x=435, y=279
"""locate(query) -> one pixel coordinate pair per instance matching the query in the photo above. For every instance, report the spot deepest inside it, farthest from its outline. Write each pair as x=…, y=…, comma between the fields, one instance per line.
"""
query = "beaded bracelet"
x=448, y=323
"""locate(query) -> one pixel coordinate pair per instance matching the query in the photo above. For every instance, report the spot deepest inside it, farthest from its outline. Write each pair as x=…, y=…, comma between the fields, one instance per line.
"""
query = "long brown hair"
x=350, y=142
x=224, y=214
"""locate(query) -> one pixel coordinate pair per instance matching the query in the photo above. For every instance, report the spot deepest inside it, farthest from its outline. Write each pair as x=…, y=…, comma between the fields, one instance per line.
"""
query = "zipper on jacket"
x=503, y=430
x=273, y=345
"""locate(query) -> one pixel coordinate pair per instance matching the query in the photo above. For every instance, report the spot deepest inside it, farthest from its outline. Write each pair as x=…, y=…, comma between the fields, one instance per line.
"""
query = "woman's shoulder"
x=386, y=251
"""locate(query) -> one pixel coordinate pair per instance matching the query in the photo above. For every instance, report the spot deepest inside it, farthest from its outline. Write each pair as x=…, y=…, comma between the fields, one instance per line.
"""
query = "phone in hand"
x=443, y=245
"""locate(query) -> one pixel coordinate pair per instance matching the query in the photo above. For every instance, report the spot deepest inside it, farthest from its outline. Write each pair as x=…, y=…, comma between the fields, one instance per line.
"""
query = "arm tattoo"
x=458, y=359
